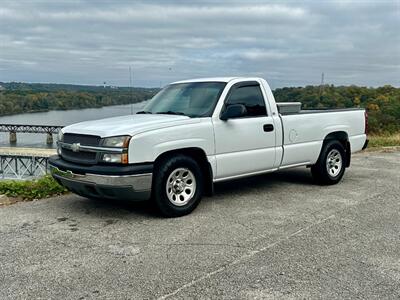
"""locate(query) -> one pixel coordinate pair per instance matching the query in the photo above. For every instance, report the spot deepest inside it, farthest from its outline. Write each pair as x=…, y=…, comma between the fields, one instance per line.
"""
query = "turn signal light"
x=124, y=158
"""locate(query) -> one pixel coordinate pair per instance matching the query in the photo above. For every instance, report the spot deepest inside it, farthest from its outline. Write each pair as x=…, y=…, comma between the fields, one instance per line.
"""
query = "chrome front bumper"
x=132, y=187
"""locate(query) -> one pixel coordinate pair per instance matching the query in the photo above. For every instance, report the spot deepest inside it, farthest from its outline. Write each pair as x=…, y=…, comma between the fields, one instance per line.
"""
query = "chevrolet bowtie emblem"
x=75, y=147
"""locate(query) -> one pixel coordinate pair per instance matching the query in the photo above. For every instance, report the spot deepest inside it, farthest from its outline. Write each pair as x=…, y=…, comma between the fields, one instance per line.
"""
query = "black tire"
x=167, y=169
x=328, y=171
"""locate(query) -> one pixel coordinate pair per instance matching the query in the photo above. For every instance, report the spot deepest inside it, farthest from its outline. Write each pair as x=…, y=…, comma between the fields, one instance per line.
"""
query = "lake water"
x=59, y=117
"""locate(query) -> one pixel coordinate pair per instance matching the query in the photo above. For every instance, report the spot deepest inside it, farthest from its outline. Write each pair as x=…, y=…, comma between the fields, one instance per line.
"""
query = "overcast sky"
x=290, y=43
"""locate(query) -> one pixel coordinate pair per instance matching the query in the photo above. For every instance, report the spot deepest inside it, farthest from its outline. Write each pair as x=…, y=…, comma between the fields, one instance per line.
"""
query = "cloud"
x=288, y=43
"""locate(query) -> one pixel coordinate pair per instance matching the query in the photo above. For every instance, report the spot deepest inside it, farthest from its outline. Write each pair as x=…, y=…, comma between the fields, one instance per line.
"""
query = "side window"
x=251, y=97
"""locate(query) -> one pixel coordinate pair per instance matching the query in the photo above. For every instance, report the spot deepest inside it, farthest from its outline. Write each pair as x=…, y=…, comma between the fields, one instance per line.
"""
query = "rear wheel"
x=177, y=186
x=331, y=163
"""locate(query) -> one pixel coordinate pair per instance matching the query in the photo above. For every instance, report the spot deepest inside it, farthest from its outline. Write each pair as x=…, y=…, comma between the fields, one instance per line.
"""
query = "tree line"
x=382, y=103
x=18, y=98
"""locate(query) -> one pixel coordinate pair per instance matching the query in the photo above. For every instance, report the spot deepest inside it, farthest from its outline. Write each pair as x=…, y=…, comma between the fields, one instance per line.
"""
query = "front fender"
x=179, y=144
x=146, y=147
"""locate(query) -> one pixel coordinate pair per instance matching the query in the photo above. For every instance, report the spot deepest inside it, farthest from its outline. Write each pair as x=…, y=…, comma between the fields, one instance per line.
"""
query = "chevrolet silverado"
x=195, y=133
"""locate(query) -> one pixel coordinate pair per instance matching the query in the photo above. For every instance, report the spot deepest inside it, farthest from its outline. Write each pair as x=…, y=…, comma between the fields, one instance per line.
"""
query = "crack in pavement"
x=269, y=246
x=242, y=258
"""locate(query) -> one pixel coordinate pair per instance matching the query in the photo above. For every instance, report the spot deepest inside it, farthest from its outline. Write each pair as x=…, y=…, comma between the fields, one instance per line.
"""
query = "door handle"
x=268, y=127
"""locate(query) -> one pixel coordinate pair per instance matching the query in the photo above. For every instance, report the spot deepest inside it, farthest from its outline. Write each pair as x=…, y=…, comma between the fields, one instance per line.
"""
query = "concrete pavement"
x=272, y=236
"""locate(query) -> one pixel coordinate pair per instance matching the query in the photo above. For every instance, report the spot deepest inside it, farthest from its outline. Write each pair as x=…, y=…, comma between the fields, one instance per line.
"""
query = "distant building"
x=2, y=88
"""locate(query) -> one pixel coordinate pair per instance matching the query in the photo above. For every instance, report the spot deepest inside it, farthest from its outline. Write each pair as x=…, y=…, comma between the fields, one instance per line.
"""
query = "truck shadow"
x=301, y=176
x=143, y=208
x=263, y=182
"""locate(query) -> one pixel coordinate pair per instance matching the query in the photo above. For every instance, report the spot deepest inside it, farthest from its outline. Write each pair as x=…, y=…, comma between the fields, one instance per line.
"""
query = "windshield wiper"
x=144, y=112
x=170, y=112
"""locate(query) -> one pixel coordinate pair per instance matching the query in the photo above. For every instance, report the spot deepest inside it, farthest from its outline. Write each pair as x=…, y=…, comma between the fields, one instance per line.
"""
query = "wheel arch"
x=199, y=156
x=343, y=138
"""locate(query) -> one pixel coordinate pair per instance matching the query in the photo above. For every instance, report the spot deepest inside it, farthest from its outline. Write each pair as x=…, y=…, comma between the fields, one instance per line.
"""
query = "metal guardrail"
x=22, y=167
x=24, y=163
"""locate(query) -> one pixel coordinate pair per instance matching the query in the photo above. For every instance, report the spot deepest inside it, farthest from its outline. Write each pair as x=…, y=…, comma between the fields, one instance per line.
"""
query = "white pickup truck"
x=195, y=133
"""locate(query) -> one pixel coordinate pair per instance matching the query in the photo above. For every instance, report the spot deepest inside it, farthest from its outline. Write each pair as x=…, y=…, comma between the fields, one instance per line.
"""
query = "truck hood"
x=128, y=125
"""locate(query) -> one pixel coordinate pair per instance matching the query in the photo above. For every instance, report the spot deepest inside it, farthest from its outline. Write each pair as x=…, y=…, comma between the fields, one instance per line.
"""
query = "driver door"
x=245, y=144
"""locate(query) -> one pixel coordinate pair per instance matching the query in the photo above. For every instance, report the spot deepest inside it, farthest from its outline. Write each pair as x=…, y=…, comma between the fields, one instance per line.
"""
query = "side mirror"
x=233, y=111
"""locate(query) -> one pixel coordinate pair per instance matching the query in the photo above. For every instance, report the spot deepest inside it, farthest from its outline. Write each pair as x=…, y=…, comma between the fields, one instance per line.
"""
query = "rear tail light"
x=366, y=121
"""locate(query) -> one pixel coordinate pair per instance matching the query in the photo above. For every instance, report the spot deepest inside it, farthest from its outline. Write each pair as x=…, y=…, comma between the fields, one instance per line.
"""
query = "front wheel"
x=177, y=186
x=331, y=163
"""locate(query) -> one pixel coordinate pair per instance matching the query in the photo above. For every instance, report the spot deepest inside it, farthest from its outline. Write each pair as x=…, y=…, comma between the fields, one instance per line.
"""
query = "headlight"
x=115, y=158
x=117, y=141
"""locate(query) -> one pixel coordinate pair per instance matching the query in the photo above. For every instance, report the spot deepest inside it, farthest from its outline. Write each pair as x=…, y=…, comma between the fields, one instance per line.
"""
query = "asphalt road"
x=273, y=236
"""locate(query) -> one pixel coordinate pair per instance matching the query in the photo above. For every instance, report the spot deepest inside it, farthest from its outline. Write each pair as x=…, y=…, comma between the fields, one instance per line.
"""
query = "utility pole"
x=321, y=87
x=131, y=86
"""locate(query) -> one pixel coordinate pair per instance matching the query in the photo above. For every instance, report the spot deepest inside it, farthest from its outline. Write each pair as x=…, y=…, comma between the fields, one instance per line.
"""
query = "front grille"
x=82, y=157
x=83, y=139
x=79, y=157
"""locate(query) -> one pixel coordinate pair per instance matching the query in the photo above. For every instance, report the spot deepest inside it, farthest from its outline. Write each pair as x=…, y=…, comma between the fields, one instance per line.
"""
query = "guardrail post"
x=49, y=139
x=1, y=167
x=13, y=137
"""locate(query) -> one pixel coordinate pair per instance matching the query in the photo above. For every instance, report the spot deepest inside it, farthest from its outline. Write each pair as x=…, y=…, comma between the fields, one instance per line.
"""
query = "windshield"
x=193, y=99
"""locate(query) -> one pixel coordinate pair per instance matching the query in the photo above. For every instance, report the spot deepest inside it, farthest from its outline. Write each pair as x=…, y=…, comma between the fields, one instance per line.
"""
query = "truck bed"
x=328, y=110
x=290, y=108
x=304, y=131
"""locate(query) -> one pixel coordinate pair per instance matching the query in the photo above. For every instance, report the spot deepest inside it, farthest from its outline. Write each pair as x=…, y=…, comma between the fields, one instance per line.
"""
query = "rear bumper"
x=365, y=144
x=132, y=182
